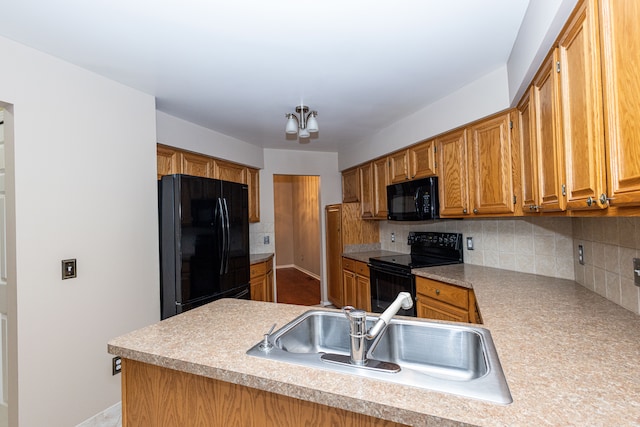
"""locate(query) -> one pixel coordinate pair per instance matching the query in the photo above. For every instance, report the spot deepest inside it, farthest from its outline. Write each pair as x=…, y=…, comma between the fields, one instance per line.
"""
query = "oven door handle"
x=388, y=271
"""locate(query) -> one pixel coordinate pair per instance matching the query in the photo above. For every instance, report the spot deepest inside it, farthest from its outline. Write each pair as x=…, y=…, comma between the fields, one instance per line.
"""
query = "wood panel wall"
x=160, y=397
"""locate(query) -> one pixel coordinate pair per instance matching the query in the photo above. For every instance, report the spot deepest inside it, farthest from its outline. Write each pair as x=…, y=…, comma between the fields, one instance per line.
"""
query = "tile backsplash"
x=609, y=245
x=547, y=246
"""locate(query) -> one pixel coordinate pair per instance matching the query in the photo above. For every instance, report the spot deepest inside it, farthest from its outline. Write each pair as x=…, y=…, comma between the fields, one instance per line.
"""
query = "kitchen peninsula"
x=570, y=358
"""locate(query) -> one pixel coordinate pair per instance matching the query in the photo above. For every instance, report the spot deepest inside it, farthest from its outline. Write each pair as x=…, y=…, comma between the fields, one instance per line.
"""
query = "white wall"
x=483, y=97
x=540, y=27
x=82, y=180
x=176, y=132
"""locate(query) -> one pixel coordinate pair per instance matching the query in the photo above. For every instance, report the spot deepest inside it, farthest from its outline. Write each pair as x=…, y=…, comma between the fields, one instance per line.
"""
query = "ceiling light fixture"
x=303, y=125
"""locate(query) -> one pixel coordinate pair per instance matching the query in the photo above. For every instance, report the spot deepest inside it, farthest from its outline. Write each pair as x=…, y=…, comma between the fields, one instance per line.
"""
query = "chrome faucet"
x=358, y=326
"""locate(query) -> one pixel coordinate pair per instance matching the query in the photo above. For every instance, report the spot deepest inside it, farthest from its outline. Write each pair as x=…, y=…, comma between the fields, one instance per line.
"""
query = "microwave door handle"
x=416, y=200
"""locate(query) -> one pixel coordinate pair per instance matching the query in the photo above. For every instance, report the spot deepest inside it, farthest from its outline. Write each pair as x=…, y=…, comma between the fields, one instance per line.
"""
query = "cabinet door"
x=334, y=251
x=548, y=144
x=398, y=171
x=350, y=186
x=620, y=53
x=350, y=288
x=363, y=293
x=231, y=172
x=452, y=173
x=254, y=194
x=422, y=160
x=380, y=182
x=258, y=288
x=197, y=165
x=268, y=284
x=528, y=154
x=433, y=309
x=366, y=190
x=168, y=161
x=490, y=177
x=581, y=109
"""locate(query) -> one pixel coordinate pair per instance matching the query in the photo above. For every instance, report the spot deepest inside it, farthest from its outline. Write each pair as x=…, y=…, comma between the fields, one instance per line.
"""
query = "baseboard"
x=308, y=273
x=110, y=417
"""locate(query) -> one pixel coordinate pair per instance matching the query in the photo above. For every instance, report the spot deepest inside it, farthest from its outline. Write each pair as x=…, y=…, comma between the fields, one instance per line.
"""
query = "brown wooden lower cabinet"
x=159, y=397
x=443, y=301
x=355, y=279
x=261, y=281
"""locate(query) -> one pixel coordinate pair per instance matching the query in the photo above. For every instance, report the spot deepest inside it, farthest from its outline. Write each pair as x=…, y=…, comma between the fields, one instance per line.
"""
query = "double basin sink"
x=450, y=358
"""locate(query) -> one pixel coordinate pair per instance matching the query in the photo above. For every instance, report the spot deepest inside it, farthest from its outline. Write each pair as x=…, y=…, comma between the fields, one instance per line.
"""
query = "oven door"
x=386, y=284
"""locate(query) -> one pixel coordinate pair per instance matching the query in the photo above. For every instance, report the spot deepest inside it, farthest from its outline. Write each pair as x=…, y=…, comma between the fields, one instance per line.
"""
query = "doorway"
x=297, y=238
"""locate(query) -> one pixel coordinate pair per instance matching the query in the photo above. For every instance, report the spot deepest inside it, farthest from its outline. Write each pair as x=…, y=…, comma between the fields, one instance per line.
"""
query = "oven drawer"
x=451, y=294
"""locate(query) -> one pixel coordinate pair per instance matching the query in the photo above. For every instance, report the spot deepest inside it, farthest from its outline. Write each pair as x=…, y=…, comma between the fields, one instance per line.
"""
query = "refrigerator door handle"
x=227, y=228
x=222, y=241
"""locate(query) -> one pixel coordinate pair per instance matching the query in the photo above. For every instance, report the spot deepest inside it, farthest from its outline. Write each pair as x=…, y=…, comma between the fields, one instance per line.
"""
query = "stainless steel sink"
x=450, y=358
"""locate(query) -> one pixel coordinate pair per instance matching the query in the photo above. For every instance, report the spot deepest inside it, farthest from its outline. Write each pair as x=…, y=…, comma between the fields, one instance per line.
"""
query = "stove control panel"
x=434, y=239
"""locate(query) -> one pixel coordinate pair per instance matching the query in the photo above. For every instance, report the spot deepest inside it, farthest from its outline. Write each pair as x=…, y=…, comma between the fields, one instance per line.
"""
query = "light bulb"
x=312, y=123
x=292, y=124
x=303, y=133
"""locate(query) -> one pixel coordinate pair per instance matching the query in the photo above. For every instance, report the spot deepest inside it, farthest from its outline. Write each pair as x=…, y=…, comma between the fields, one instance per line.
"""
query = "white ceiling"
x=238, y=66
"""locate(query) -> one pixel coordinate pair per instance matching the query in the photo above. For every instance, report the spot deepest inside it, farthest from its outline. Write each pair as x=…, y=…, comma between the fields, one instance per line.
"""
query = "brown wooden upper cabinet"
x=579, y=132
x=197, y=165
x=476, y=169
x=528, y=154
x=548, y=143
x=452, y=174
x=380, y=172
x=620, y=35
x=231, y=172
x=172, y=160
x=351, y=185
x=365, y=178
x=254, y=194
x=398, y=166
x=417, y=161
x=422, y=159
x=168, y=161
x=577, y=61
x=490, y=166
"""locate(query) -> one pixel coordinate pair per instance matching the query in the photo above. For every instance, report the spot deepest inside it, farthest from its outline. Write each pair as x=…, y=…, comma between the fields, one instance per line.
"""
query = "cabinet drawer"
x=362, y=269
x=349, y=264
x=451, y=294
x=259, y=269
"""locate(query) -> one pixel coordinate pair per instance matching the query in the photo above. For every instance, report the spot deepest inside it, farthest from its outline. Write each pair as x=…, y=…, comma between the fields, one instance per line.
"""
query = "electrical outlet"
x=116, y=365
x=266, y=240
x=581, y=254
x=470, y=243
x=68, y=269
x=636, y=271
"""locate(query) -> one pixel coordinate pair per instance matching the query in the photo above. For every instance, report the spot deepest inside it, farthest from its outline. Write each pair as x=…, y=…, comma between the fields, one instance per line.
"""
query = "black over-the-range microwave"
x=413, y=200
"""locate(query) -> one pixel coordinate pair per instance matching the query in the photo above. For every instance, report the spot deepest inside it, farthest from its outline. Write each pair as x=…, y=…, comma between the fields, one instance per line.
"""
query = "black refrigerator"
x=204, y=242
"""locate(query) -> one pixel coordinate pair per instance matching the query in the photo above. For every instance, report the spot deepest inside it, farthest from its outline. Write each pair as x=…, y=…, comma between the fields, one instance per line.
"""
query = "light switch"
x=68, y=268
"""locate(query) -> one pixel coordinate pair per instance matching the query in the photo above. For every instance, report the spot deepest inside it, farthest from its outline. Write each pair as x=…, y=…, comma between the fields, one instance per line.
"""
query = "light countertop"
x=258, y=258
x=570, y=356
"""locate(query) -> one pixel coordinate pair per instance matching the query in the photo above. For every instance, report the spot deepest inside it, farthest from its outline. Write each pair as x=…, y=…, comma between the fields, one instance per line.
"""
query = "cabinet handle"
x=437, y=291
x=589, y=201
x=464, y=211
x=475, y=211
x=604, y=199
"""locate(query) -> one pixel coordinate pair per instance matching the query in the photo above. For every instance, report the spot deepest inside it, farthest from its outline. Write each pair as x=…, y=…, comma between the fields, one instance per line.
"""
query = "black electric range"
x=391, y=274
